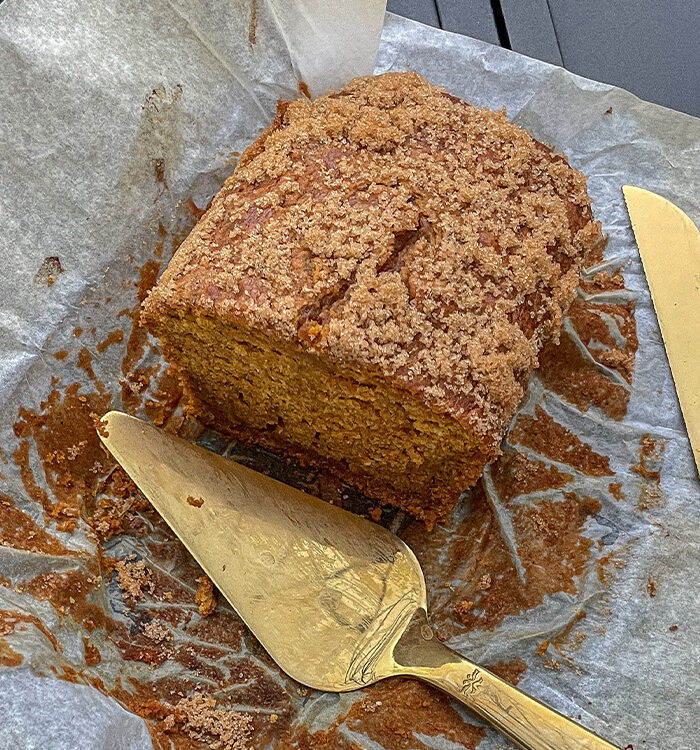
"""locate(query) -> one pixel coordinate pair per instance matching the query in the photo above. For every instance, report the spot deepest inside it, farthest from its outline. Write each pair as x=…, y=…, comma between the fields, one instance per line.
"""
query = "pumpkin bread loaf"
x=371, y=287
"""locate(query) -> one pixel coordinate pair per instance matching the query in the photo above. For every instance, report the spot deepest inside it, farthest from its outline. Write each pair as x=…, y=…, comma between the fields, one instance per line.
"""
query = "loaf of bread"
x=371, y=287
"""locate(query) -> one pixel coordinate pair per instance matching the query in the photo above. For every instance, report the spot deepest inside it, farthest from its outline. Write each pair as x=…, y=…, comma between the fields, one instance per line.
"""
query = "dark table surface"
x=649, y=47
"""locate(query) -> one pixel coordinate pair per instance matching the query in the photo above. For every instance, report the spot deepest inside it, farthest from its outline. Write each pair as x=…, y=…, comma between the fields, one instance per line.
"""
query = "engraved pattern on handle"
x=528, y=723
x=472, y=682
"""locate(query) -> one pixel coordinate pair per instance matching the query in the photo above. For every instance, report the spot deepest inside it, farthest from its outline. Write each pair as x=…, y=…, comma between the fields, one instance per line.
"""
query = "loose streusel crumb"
x=198, y=718
x=156, y=631
x=463, y=607
x=133, y=578
x=375, y=514
x=205, y=598
x=196, y=501
x=100, y=425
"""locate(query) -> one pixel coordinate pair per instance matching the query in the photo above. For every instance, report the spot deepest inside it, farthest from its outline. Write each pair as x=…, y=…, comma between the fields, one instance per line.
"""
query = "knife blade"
x=669, y=245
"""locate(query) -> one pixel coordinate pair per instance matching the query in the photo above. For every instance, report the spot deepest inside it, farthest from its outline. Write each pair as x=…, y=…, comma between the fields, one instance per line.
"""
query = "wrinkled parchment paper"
x=93, y=96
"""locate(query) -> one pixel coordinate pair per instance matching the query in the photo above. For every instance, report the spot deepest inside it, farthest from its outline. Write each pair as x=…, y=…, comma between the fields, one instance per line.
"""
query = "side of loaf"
x=369, y=291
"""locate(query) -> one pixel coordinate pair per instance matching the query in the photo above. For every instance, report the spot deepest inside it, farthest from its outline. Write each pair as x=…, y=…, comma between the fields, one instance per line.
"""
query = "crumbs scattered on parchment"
x=156, y=631
x=372, y=706
x=649, y=469
x=463, y=608
x=49, y=270
x=253, y=23
x=196, y=501
x=198, y=718
x=615, y=489
x=548, y=661
x=100, y=425
x=205, y=598
x=650, y=451
x=134, y=578
x=73, y=451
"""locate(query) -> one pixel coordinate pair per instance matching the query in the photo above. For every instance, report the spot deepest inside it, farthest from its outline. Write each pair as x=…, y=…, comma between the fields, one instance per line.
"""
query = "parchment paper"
x=111, y=118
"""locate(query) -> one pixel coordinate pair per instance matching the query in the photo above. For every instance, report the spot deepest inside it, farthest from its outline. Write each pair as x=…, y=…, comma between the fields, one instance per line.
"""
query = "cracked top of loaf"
x=394, y=228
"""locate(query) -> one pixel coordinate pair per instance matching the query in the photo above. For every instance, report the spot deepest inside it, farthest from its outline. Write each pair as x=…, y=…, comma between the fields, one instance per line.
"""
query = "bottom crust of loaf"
x=365, y=432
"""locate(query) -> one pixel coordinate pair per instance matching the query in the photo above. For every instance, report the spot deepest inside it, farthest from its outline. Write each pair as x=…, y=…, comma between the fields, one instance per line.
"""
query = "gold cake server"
x=338, y=601
x=669, y=245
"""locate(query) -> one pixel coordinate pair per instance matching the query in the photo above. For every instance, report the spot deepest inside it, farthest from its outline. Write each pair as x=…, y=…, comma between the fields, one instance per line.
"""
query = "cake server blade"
x=309, y=579
x=337, y=601
x=669, y=245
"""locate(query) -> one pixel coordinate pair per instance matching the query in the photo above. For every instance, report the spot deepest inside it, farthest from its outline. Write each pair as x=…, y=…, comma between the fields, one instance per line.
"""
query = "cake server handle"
x=528, y=723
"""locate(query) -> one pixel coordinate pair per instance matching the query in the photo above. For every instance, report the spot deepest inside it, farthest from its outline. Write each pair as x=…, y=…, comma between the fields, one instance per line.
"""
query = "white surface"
x=34, y=712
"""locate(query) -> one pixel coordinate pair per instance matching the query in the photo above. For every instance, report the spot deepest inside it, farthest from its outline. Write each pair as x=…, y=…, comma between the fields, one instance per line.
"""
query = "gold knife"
x=669, y=245
x=337, y=601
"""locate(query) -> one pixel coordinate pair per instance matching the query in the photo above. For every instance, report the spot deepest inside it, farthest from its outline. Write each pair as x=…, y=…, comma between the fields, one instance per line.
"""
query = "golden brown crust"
x=393, y=227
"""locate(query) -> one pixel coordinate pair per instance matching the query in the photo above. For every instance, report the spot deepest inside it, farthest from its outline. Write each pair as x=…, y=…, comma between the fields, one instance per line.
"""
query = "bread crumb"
x=133, y=578
x=49, y=270
x=372, y=706
x=100, y=425
x=196, y=501
x=552, y=664
x=375, y=513
x=615, y=489
x=485, y=582
x=156, y=631
x=462, y=609
x=205, y=598
x=73, y=451
x=198, y=718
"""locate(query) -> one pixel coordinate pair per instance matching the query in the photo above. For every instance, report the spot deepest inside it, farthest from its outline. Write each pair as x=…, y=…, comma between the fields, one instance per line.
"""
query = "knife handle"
x=528, y=723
